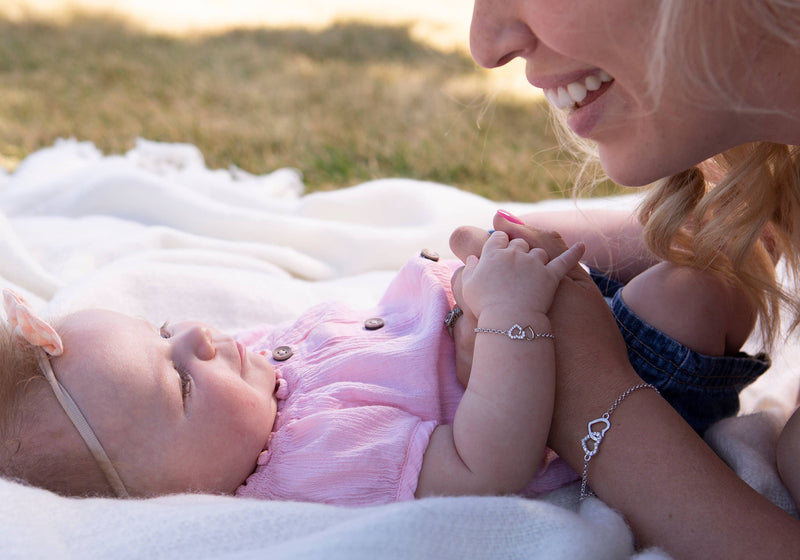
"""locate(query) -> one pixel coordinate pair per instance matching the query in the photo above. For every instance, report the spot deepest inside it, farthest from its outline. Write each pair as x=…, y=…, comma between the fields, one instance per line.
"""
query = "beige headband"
x=41, y=335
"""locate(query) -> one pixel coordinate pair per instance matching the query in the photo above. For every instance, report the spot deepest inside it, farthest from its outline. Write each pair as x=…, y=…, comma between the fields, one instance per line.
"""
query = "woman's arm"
x=498, y=435
x=670, y=486
x=613, y=238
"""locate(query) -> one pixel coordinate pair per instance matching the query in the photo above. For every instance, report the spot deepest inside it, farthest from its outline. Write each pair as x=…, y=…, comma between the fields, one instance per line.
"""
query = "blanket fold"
x=155, y=233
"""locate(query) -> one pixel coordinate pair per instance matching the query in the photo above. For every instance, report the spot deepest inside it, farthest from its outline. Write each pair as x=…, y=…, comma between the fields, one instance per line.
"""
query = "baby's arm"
x=614, y=246
x=500, y=429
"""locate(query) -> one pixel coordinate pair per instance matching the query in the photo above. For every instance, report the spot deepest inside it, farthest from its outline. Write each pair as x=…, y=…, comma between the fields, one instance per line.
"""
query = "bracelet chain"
x=517, y=332
x=597, y=431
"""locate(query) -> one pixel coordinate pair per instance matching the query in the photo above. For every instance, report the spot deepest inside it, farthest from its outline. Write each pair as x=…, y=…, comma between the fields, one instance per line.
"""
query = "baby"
x=341, y=406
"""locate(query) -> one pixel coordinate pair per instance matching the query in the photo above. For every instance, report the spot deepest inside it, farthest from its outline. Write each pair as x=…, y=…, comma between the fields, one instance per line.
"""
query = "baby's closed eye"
x=183, y=374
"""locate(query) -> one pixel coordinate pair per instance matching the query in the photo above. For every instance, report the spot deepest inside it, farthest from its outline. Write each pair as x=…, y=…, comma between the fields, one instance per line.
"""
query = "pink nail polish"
x=510, y=217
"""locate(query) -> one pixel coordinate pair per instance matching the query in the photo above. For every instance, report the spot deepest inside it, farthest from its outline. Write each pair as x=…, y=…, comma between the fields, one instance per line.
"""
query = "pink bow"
x=28, y=326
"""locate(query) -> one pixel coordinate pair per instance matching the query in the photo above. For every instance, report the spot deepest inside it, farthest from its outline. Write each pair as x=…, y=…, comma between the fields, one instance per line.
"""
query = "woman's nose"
x=497, y=36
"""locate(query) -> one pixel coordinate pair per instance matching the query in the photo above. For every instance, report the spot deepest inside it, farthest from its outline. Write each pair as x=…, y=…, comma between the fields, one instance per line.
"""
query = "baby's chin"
x=261, y=373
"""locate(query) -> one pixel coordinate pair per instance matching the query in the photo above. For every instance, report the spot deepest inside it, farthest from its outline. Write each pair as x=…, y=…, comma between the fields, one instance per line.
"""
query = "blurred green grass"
x=345, y=104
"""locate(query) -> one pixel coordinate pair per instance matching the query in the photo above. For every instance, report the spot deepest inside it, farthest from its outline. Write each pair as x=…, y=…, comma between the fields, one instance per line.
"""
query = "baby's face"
x=179, y=408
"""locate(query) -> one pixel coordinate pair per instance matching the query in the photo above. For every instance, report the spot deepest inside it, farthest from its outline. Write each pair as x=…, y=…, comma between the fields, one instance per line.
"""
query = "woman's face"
x=592, y=59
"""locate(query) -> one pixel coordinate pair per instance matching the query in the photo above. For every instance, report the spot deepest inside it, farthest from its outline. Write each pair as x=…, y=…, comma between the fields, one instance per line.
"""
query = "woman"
x=702, y=96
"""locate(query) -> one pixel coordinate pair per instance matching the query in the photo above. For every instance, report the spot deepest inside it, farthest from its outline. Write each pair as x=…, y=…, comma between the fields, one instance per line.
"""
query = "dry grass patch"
x=344, y=104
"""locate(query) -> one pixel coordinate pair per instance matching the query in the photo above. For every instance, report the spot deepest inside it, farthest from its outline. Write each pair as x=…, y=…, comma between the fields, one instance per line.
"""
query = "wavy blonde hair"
x=736, y=213
x=737, y=226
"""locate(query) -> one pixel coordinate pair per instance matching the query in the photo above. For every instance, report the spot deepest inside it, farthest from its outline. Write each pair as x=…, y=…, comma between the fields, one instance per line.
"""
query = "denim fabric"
x=703, y=389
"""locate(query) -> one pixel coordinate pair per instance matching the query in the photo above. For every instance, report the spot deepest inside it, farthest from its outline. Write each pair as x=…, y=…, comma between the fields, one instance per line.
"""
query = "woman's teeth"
x=571, y=95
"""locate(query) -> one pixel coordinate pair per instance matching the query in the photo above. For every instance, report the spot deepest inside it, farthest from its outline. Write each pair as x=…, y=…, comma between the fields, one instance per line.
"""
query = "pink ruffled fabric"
x=358, y=406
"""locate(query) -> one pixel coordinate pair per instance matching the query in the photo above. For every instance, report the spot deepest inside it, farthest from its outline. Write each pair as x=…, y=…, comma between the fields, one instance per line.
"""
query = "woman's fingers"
x=468, y=240
x=549, y=241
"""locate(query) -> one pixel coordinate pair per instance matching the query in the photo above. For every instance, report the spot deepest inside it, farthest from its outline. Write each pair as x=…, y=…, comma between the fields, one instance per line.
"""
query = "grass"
x=347, y=103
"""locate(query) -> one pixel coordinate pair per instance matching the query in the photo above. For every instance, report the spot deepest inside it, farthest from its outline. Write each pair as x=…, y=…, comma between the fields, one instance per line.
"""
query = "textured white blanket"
x=155, y=233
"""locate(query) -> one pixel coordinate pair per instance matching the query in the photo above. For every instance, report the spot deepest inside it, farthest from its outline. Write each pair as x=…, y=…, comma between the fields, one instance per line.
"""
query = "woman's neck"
x=771, y=82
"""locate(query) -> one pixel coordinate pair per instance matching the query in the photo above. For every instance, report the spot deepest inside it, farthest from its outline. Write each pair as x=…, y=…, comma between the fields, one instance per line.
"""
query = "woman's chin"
x=630, y=171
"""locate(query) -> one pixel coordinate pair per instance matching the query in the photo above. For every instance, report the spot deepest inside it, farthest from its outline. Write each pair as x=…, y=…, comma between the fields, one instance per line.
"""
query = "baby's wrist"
x=503, y=317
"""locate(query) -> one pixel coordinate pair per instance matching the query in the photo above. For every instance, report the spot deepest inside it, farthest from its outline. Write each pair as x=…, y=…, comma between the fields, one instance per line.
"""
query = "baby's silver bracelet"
x=597, y=431
x=517, y=332
x=450, y=320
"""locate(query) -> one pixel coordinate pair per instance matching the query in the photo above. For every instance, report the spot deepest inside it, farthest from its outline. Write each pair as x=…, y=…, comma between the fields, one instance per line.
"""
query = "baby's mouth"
x=579, y=93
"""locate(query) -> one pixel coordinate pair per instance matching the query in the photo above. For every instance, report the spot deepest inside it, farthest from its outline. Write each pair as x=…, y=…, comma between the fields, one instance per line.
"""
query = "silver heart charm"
x=602, y=424
x=589, y=447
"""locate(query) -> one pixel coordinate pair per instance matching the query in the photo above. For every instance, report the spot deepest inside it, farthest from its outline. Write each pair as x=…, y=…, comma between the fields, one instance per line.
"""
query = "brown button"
x=282, y=353
x=374, y=324
x=430, y=255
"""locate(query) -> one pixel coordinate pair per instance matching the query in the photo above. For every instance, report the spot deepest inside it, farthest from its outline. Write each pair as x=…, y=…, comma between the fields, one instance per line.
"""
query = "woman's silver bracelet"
x=597, y=431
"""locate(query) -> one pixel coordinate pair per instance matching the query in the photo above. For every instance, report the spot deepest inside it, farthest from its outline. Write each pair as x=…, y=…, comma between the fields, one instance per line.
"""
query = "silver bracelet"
x=597, y=431
x=518, y=333
x=450, y=320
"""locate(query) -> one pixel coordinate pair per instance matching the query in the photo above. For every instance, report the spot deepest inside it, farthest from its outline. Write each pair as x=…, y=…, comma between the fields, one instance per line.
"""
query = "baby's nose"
x=203, y=343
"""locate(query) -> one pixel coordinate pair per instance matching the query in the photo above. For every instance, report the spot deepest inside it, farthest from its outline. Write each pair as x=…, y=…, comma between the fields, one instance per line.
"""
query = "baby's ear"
x=468, y=240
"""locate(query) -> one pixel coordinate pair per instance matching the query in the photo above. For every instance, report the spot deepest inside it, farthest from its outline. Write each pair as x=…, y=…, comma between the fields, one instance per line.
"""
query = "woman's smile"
x=579, y=93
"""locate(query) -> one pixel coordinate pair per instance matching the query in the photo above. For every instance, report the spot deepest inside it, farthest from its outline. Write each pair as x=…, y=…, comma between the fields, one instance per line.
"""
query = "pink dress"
x=357, y=404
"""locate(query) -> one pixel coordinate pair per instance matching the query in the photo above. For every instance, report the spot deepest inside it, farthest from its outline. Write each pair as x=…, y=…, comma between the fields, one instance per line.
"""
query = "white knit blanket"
x=157, y=234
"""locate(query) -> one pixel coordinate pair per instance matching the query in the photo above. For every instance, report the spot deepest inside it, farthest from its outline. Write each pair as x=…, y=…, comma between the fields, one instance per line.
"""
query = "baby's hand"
x=511, y=274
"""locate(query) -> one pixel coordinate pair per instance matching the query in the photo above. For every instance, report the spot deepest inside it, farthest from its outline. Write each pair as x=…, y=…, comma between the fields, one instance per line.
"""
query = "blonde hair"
x=701, y=37
x=29, y=450
x=737, y=226
x=736, y=212
x=721, y=214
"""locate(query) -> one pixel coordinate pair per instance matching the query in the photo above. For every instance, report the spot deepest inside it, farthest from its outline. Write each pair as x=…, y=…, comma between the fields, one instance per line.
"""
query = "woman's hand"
x=592, y=361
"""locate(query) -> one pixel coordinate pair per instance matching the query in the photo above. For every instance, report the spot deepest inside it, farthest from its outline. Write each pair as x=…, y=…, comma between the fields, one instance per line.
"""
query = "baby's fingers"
x=564, y=262
x=497, y=240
